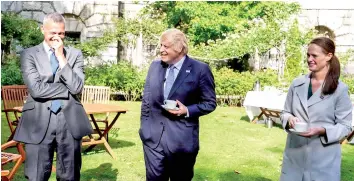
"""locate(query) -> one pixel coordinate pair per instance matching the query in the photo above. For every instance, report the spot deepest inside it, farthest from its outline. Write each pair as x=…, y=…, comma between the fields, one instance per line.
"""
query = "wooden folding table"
x=97, y=108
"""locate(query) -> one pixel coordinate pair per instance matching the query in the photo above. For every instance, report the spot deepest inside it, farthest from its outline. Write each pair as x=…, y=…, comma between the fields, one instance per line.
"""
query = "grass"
x=228, y=143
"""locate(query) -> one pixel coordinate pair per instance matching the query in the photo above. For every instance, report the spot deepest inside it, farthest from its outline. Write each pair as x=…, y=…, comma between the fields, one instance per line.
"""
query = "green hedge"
x=10, y=71
x=122, y=77
x=349, y=80
x=233, y=86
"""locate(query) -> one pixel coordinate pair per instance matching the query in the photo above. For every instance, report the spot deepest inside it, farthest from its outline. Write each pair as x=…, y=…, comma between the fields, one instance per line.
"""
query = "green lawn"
x=228, y=143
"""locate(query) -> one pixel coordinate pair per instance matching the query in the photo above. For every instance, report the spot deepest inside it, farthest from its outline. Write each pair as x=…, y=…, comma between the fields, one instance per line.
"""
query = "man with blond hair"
x=170, y=136
x=53, y=119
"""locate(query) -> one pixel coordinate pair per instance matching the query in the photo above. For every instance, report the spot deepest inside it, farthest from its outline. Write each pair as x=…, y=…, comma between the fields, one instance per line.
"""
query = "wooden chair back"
x=13, y=95
x=96, y=94
x=11, y=157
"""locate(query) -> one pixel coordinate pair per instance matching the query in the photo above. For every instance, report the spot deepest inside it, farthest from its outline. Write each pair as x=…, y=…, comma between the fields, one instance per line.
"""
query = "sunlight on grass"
x=231, y=149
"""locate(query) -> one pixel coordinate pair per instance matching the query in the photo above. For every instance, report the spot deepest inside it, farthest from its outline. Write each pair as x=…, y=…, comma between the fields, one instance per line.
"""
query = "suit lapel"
x=161, y=73
x=43, y=59
x=316, y=97
x=183, y=74
x=301, y=90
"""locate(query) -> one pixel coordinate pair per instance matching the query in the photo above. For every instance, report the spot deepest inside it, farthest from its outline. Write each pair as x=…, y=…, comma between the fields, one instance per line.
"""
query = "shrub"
x=232, y=86
x=349, y=80
x=10, y=71
x=18, y=31
x=121, y=77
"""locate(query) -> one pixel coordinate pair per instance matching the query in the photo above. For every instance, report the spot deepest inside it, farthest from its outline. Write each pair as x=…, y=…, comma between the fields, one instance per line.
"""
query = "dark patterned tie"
x=56, y=104
x=169, y=81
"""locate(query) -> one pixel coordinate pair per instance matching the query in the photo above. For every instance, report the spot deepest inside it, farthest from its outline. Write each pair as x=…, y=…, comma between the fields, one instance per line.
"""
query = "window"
x=150, y=49
x=72, y=37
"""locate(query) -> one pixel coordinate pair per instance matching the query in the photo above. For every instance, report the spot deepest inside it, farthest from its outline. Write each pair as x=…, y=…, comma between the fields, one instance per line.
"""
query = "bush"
x=121, y=77
x=11, y=72
x=232, y=87
x=18, y=31
x=349, y=80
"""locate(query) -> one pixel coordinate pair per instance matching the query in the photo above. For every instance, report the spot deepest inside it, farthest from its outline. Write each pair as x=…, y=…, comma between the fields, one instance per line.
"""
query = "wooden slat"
x=95, y=94
x=13, y=95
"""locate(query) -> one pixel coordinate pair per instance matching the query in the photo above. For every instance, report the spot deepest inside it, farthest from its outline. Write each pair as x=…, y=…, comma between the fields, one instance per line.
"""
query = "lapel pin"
x=188, y=71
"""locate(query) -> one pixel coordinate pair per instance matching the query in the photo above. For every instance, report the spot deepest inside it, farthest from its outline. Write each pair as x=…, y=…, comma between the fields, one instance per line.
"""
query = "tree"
x=225, y=30
x=17, y=31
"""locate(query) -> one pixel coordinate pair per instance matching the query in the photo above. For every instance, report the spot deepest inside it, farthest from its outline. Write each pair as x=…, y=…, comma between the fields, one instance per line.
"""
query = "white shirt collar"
x=179, y=64
x=46, y=47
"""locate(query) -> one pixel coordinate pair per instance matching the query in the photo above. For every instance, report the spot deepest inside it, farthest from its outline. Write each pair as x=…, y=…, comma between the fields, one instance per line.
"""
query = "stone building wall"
x=335, y=17
x=89, y=18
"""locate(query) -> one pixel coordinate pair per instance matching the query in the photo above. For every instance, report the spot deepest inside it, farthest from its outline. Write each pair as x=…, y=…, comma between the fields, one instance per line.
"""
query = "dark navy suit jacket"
x=194, y=87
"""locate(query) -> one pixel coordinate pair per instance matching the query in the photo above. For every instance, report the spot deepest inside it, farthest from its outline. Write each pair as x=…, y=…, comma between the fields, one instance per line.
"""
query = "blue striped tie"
x=56, y=104
x=169, y=81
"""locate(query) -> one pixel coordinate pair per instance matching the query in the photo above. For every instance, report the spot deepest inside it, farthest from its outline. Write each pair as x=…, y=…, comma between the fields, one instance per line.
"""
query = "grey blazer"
x=43, y=87
x=317, y=158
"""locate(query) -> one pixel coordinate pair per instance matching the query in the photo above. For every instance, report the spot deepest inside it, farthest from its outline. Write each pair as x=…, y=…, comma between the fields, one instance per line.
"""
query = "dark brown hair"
x=332, y=77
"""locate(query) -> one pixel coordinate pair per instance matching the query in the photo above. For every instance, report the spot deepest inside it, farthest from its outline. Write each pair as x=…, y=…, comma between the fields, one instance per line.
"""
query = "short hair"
x=54, y=17
x=177, y=38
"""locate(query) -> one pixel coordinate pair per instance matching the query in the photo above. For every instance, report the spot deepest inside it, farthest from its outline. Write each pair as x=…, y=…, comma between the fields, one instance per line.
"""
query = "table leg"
x=102, y=135
x=258, y=117
x=108, y=148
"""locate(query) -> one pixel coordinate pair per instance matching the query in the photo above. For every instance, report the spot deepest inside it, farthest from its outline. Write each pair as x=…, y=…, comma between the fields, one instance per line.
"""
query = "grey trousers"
x=39, y=157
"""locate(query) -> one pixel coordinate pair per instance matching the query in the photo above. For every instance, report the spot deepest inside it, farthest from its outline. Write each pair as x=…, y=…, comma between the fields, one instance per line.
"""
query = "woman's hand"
x=314, y=131
x=292, y=121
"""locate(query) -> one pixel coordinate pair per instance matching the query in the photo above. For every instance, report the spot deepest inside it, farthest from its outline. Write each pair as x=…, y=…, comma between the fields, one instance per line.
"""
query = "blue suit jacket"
x=194, y=87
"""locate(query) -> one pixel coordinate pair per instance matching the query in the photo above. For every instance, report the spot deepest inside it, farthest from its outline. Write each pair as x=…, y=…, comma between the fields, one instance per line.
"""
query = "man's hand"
x=182, y=109
x=314, y=131
x=58, y=46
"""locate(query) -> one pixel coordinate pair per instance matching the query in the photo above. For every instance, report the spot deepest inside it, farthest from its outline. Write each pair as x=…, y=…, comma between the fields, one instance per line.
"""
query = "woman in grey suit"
x=322, y=101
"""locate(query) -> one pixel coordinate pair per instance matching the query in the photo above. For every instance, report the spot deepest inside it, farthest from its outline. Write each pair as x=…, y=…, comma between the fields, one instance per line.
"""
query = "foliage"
x=194, y=17
x=235, y=85
x=236, y=29
x=10, y=71
x=17, y=31
x=121, y=77
x=125, y=30
x=349, y=81
x=296, y=62
x=346, y=57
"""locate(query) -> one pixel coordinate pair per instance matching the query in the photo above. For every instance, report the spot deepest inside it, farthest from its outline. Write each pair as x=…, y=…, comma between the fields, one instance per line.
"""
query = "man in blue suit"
x=171, y=137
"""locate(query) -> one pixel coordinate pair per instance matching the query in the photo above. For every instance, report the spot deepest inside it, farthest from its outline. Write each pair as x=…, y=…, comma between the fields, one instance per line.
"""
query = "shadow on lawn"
x=104, y=172
x=114, y=143
x=200, y=176
x=245, y=118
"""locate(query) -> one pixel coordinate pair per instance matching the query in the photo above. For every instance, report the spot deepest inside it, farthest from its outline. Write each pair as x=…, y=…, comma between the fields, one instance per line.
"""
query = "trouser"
x=161, y=164
x=39, y=157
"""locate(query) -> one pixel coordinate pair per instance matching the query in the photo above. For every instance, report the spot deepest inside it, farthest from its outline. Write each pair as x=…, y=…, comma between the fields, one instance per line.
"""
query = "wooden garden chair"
x=11, y=157
x=13, y=96
x=97, y=94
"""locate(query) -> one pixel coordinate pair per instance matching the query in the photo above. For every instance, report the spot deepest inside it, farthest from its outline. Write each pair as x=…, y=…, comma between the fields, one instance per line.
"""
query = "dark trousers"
x=39, y=157
x=162, y=165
